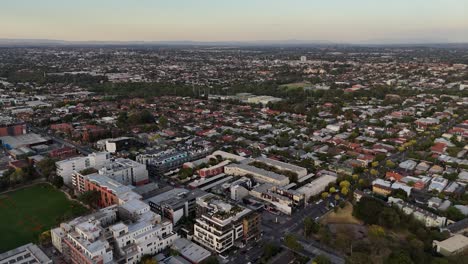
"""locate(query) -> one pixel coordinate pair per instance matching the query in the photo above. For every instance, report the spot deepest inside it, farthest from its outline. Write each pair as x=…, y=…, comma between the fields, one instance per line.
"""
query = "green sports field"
x=26, y=213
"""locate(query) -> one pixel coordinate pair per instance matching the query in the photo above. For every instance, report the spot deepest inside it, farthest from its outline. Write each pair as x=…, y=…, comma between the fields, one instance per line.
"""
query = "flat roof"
x=287, y=166
x=31, y=248
x=256, y=170
x=109, y=183
x=190, y=250
x=176, y=197
x=454, y=243
x=26, y=139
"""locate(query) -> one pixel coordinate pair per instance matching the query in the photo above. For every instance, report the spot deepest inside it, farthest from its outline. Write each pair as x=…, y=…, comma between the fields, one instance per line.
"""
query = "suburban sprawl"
x=184, y=154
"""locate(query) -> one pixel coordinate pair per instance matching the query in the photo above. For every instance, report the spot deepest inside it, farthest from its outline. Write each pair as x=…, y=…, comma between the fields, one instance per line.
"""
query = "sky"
x=346, y=21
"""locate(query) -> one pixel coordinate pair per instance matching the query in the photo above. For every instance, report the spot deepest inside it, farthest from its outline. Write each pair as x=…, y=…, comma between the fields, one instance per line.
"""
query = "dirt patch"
x=343, y=216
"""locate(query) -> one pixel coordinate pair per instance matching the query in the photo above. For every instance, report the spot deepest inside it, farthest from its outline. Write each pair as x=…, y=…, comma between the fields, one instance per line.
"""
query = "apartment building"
x=175, y=204
x=26, y=254
x=259, y=175
x=165, y=161
x=281, y=199
x=66, y=168
x=126, y=171
x=111, y=191
x=220, y=224
x=213, y=170
x=427, y=218
x=116, y=234
x=300, y=171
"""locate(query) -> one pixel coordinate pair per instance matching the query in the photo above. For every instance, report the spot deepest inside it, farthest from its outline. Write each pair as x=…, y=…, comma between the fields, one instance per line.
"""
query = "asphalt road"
x=275, y=232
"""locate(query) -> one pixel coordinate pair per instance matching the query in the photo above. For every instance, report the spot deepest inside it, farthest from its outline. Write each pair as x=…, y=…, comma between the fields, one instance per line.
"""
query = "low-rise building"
x=438, y=184
x=451, y=246
x=427, y=218
x=114, y=145
x=190, y=251
x=26, y=254
x=259, y=175
x=283, y=200
x=317, y=186
x=382, y=187
x=165, y=161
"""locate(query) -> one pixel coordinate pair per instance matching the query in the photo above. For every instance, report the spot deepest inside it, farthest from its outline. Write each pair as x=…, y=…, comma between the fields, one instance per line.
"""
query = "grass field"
x=343, y=216
x=26, y=213
x=292, y=86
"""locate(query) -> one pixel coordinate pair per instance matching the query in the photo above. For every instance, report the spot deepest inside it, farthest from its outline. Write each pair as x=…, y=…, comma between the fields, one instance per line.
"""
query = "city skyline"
x=338, y=21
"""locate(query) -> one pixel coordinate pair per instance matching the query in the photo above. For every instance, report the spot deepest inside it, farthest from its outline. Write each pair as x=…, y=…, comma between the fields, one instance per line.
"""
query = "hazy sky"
x=231, y=20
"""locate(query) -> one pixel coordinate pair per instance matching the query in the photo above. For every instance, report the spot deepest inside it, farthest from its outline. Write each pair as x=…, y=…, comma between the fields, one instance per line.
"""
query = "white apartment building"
x=131, y=229
x=126, y=171
x=260, y=175
x=25, y=254
x=66, y=168
x=219, y=224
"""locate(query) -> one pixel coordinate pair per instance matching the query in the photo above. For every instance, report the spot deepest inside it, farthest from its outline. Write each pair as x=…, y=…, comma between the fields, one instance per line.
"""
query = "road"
x=275, y=232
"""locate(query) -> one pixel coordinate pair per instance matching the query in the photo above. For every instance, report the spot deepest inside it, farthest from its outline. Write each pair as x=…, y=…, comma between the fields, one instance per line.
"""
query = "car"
x=332, y=205
x=319, y=201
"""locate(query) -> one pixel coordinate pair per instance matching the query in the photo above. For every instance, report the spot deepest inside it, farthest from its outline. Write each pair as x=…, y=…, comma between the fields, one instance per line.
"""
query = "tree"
x=147, y=259
x=389, y=218
x=45, y=238
x=368, y=210
x=269, y=250
x=344, y=191
x=17, y=176
x=390, y=164
x=376, y=231
x=374, y=172
x=47, y=168
x=211, y=260
x=90, y=198
x=399, y=257
x=57, y=181
x=345, y=184
x=145, y=117
x=162, y=121
x=332, y=190
x=184, y=173
x=291, y=242
x=122, y=119
x=377, y=238
x=324, y=195
x=310, y=226
x=416, y=249
x=400, y=193
x=454, y=214
x=320, y=259
x=325, y=235
x=337, y=197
